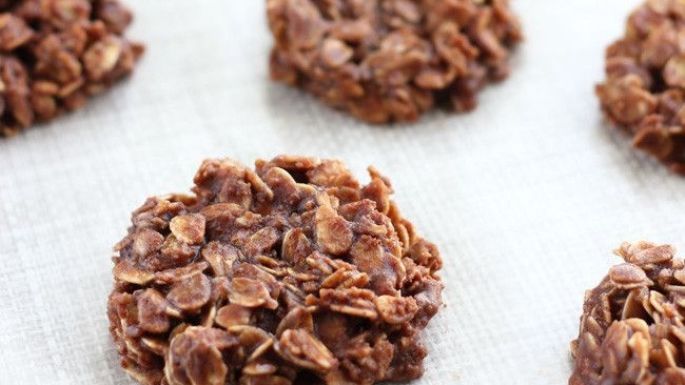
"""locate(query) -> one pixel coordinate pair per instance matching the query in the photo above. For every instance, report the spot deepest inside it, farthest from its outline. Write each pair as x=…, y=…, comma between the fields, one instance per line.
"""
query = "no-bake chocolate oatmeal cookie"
x=291, y=273
x=632, y=331
x=645, y=87
x=392, y=60
x=55, y=54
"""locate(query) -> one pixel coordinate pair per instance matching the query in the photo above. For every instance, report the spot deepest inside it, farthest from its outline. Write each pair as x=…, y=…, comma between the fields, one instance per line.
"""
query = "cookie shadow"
x=642, y=171
x=298, y=116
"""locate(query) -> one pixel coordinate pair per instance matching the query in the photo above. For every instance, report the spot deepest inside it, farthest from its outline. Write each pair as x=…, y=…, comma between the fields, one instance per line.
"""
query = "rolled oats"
x=291, y=273
x=644, y=90
x=632, y=330
x=392, y=60
x=54, y=54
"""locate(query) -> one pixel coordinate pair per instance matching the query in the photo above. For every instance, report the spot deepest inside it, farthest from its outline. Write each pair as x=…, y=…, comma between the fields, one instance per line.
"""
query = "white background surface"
x=526, y=197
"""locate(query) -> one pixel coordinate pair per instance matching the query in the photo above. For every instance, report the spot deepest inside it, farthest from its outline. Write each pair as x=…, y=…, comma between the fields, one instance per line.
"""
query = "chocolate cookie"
x=392, y=60
x=632, y=330
x=645, y=87
x=289, y=274
x=55, y=54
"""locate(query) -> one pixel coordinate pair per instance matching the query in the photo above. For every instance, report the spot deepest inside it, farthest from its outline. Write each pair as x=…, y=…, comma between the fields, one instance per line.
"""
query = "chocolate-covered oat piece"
x=645, y=87
x=392, y=60
x=632, y=331
x=291, y=273
x=55, y=54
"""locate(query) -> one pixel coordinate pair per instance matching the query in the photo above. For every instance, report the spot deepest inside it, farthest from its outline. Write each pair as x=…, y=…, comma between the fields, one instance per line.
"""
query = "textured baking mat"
x=526, y=197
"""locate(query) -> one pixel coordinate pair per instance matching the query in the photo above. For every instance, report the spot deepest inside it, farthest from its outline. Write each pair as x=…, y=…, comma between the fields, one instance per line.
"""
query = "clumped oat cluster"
x=633, y=325
x=645, y=87
x=55, y=54
x=392, y=60
x=289, y=274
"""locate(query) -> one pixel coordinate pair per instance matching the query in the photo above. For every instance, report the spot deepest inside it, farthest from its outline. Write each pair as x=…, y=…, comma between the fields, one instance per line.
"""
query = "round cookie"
x=291, y=273
x=633, y=326
x=644, y=91
x=392, y=60
x=58, y=53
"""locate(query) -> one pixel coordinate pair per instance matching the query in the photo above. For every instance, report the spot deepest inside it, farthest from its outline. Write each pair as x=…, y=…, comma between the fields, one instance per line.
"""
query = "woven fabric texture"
x=526, y=196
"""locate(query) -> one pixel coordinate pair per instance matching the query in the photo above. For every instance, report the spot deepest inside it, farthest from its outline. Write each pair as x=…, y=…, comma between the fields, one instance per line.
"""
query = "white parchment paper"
x=526, y=197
